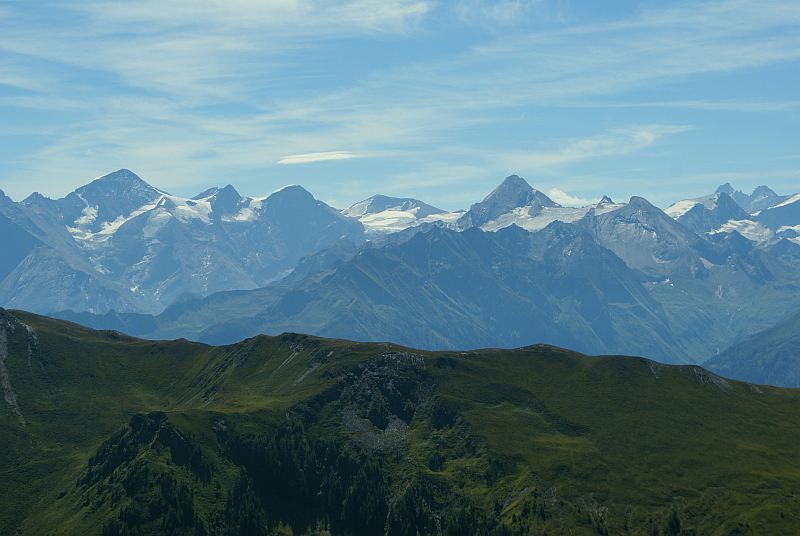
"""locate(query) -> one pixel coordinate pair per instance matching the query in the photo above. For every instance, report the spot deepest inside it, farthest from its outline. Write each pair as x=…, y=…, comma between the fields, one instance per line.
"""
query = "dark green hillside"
x=104, y=434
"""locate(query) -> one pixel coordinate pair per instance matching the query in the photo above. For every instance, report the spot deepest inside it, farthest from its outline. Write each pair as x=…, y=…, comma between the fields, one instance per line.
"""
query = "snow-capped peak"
x=382, y=214
x=381, y=203
x=513, y=193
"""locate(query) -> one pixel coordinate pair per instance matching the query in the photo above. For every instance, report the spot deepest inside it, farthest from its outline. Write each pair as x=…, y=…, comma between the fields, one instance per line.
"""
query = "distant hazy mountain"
x=761, y=198
x=647, y=239
x=381, y=203
x=126, y=246
x=708, y=213
x=763, y=216
x=445, y=289
x=771, y=356
x=785, y=214
x=105, y=203
x=515, y=202
x=515, y=269
x=437, y=288
x=513, y=193
x=54, y=272
x=382, y=214
x=17, y=244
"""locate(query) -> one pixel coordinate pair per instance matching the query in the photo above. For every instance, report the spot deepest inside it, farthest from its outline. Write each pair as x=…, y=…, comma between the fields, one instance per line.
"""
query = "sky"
x=433, y=99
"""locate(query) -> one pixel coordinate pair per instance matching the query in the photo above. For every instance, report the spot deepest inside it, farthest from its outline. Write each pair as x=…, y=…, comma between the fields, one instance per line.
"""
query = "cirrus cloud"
x=308, y=158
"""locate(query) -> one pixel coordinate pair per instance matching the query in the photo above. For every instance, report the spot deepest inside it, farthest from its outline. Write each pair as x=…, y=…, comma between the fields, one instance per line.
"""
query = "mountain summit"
x=382, y=203
x=761, y=198
x=120, y=244
x=708, y=213
x=226, y=201
x=514, y=192
x=105, y=199
x=381, y=214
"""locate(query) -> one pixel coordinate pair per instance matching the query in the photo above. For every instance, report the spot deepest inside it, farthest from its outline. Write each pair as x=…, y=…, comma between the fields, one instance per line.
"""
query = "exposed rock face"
x=9, y=327
x=711, y=213
x=513, y=192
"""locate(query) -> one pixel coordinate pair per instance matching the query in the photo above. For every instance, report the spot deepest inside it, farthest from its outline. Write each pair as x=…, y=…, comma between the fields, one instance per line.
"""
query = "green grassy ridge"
x=533, y=440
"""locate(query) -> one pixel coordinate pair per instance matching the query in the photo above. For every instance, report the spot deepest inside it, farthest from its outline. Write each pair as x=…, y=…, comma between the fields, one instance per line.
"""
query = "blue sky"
x=434, y=99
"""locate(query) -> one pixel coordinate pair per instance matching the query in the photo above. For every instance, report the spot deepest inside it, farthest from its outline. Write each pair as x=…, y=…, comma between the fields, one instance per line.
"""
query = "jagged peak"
x=207, y=193
x=35, y=198
x=120, y=177
x=229, y=189
x=725, y=198
x=763, y=191
x=226, y=201
x=725, y=188
x=515, y=181
x=290, y=189
x=290, y=193
x=515, y=191
x=605, y=200
x=562, y=228
x=228, y=194
x=639, y=202
x=122, y=187
x=513, y=184
x=512, y=229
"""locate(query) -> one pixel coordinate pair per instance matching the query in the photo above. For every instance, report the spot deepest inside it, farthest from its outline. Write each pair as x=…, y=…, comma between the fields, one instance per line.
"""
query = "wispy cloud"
x=563, y=198
x=723, y=105
x=194, y=91
x=284, y=17
x=619, y=141
x=308, y=158
x=491, y=13
x=201, y=50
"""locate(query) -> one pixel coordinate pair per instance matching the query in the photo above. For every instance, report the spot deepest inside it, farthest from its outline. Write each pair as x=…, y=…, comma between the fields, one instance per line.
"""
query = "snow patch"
x=749, y=229
x=523, y=217
x=791, y=233
x=392, y=220
x=248, y=213
x=188, y=209
x=87, y=217
x=794, y=199
x=680, y=208
x=108, y=229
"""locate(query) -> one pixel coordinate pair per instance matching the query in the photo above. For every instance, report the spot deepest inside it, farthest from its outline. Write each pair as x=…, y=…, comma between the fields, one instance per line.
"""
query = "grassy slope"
x=580, y=434
x=653, y=434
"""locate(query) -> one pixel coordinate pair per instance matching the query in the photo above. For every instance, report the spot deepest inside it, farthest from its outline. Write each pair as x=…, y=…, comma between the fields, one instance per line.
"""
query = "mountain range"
x=294, y=434
x=119, y=244
x=679, y=285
